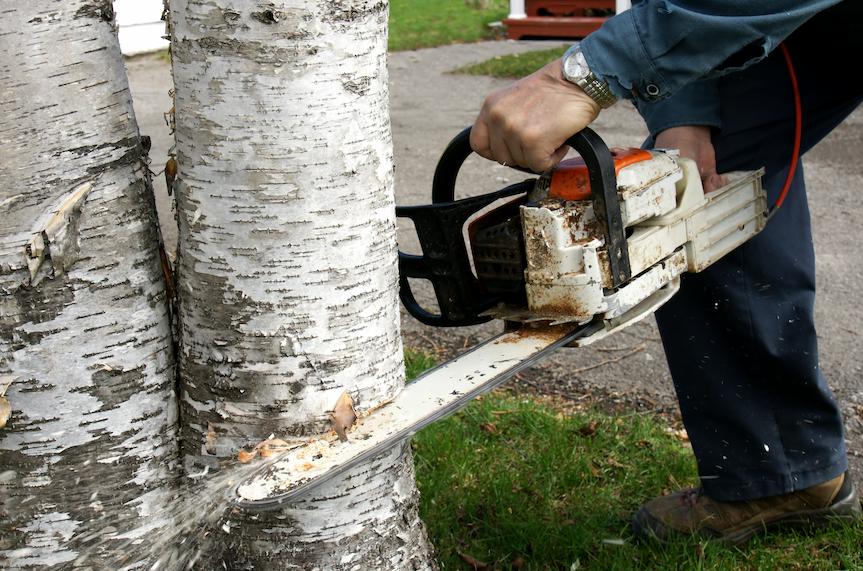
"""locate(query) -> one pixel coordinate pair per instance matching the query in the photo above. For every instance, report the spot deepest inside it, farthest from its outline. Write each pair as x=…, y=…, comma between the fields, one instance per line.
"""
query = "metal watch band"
x=598, y=91
x=575, y=70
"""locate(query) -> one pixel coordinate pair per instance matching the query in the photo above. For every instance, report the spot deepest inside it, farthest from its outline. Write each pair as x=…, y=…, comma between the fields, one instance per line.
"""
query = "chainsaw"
x=563, y=259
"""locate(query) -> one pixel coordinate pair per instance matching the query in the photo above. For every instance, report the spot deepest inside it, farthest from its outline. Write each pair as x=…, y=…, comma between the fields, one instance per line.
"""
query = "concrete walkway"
x=430, y=105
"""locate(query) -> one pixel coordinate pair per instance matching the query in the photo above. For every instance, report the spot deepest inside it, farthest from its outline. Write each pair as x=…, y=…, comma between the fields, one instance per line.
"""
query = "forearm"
x=653, y=50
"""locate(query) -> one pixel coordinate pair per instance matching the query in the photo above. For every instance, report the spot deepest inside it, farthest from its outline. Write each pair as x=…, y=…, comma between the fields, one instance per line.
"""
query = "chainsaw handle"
x=603, y=183
x=449, y=165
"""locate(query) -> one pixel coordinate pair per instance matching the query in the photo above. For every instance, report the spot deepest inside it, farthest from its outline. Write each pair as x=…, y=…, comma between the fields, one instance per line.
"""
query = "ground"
x=627, y=372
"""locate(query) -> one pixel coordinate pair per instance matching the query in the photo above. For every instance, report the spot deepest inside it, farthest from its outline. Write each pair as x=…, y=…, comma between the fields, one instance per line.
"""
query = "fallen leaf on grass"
x=612, y=461
x=489, y=427
x=680, y=434
x=473, y=561
x=588, y=429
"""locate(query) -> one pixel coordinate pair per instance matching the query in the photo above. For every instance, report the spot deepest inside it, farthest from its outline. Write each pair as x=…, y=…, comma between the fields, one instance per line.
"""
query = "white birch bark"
x=85, y=344
x=287, y=269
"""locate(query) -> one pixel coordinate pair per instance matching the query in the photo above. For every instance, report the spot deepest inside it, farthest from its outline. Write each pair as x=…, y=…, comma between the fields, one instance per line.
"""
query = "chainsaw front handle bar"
x=445, y=260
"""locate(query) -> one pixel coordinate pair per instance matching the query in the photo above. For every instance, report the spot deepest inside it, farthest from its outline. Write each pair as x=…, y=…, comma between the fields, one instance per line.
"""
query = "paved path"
x=430, y=105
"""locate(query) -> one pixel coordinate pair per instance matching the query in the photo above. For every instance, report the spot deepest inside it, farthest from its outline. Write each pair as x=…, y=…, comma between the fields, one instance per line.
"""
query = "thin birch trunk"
x=286, y=270
x=85, y=344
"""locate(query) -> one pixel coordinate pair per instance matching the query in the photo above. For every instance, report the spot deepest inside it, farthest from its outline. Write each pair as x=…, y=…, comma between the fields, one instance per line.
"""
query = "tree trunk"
x=85, y=344
x=287, y=268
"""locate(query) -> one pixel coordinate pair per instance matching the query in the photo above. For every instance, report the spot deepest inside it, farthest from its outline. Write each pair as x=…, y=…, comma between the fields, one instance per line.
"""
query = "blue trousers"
x=740, y=337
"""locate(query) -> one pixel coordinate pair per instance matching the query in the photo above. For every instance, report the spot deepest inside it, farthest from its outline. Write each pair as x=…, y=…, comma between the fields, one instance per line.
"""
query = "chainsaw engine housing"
x=671, y=227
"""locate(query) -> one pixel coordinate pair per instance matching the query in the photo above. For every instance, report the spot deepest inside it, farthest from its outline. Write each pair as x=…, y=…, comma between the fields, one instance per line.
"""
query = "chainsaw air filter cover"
x=497, y=245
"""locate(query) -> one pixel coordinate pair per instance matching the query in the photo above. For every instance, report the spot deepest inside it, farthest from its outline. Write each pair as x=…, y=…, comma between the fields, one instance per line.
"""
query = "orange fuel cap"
x=570, y=181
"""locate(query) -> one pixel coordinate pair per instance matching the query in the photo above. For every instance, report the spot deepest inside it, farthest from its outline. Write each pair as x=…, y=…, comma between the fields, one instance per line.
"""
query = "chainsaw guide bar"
x=431, y=397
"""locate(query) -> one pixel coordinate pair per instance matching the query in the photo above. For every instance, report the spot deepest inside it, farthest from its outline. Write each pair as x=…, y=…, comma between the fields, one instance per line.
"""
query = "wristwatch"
x=575, y=70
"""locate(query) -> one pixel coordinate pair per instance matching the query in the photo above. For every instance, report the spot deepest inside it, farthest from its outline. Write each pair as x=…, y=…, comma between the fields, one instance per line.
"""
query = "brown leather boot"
x=691, y=512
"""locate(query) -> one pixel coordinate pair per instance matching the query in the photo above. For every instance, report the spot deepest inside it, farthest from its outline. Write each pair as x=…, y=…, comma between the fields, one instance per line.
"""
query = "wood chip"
x=5, y=411
x=271, y=447
x=264, y=449
x=343, y=416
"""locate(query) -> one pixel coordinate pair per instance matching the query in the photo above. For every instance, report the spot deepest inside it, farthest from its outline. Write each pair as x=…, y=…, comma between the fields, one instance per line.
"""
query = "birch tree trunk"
x=86, y=363
x=287, y=269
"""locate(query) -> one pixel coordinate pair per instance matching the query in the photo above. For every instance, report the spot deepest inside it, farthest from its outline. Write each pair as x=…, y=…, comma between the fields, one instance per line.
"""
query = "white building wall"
x=141, y=26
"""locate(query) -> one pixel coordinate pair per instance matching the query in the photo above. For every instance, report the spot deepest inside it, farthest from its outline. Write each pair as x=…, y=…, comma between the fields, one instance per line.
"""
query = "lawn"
x=416, y=24
x=514, y=65
x=426, y=23
x=512, y=483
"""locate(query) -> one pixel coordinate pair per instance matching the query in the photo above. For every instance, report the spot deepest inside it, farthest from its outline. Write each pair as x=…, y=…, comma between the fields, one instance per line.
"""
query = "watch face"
x=575, y=66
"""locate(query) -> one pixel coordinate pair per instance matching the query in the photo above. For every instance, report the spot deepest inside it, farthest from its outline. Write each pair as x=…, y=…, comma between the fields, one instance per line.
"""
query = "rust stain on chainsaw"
x=545, y=332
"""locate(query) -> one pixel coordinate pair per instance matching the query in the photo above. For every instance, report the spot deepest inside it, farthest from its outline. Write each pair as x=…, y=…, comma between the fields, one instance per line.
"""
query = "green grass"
x=514, y=65
x=516, y=484
x=427, y=23
x=416, y=362
x=418, y=24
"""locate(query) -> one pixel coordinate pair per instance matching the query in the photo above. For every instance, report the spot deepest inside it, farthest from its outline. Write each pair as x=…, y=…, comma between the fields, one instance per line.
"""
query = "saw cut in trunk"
x=287, y=276
x=88, y=440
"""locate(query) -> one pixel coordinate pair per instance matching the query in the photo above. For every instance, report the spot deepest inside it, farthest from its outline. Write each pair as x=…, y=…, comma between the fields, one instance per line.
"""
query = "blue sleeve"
x=695, y=104
x=655, y=48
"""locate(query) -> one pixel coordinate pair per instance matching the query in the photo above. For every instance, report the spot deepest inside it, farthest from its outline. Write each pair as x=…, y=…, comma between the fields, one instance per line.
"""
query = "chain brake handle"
x=445, y=261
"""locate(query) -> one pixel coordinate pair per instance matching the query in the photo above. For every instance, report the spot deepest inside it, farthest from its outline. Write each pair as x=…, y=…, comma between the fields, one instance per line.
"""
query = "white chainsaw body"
x=672, y=228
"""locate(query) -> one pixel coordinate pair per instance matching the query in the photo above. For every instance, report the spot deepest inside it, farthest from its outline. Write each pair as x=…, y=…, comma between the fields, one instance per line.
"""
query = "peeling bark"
x=287, y=269
x=86, y=364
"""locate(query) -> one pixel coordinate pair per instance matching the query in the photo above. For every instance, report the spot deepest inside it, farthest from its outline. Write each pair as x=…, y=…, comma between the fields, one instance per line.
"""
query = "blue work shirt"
x=666, y=54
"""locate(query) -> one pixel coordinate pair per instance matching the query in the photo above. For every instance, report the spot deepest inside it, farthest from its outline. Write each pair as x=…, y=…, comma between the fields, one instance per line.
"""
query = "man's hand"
x=527, y=123
x=694, y=143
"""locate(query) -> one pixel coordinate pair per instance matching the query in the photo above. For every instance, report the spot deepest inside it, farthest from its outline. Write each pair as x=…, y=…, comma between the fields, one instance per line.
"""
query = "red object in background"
x=559, y=18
